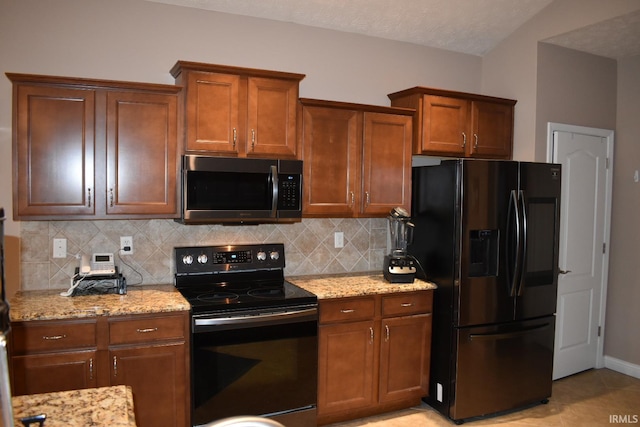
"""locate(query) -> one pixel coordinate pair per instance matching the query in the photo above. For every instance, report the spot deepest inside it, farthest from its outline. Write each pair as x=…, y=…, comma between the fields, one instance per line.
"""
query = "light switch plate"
x=338, y=239
x=59, y=248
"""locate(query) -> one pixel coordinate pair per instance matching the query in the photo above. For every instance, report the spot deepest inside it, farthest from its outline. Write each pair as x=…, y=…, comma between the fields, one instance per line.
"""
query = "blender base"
x=398, y=269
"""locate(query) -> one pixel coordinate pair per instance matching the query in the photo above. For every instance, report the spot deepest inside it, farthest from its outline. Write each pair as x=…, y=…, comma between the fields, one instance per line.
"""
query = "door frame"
x=608, y=134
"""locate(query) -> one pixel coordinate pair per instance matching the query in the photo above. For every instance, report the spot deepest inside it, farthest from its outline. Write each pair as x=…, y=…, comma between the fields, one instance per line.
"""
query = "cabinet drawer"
x=347, y=309
x=407, y=303
x=144, y=329
x=33, y=337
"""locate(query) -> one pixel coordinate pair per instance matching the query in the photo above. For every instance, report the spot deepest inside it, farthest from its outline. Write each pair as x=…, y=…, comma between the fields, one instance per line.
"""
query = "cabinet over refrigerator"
x=487, y=233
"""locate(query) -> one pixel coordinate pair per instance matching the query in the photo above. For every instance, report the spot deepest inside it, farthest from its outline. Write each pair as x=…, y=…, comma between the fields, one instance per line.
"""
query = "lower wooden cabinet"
x=374, y=354
x=150, y=353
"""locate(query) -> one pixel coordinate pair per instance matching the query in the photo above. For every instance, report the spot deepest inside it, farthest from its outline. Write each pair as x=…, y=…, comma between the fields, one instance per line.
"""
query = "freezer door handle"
x=508, y=335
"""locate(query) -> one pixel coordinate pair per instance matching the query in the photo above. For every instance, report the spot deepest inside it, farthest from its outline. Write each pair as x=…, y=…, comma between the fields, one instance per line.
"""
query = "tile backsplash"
x=309, y=246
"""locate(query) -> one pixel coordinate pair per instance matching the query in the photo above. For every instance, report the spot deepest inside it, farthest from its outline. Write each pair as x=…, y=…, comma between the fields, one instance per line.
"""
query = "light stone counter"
x=48, y=305
x=100, y=407
x=350, y=285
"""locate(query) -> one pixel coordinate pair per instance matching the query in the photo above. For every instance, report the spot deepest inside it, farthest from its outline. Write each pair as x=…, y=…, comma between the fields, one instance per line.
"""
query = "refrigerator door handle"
x=508, y=335
x=513, y=253
x=523, y=230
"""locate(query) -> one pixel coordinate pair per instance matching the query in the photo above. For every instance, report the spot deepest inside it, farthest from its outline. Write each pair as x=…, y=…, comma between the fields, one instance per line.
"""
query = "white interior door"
x=586, y=158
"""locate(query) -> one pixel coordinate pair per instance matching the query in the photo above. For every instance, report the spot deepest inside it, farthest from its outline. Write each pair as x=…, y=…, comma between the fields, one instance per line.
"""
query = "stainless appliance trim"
x=237, y=320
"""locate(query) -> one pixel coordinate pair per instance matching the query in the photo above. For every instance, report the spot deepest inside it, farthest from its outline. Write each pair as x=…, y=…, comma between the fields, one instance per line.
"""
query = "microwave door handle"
x=274, y=188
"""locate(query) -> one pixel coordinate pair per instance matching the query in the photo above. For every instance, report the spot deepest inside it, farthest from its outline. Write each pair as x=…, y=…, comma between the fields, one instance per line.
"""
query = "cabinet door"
x=54, y=151
x=156, y=375
x=445, y=124
x=212, y=108
x=271, y=127
x=492, y=130
x=346, y=366
x=331, y=140
x=141, y=154
x=46, y=373
x=386, y=179
x=405, y=357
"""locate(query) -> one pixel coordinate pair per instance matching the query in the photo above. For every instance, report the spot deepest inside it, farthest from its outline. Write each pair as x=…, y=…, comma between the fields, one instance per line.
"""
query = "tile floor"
x=591, y=398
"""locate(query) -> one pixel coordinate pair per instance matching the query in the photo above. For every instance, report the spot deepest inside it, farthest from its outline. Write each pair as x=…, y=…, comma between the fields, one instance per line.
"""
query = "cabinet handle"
x=89, y=197
x=353, y=199
x=111, y=197
x=367, y=198
x=347, y=310
x=386, y=329
x=53, y=337
x=475, y=143
x=406, y=304
x=235, y=137
x=115, y=366
x=147, y=330
x=253, y=139
x=371, y=334
x=464, y=139
x=91, y=368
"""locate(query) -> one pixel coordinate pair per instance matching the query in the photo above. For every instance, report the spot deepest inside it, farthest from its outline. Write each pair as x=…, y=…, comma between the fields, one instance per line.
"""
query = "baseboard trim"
x=622, y=366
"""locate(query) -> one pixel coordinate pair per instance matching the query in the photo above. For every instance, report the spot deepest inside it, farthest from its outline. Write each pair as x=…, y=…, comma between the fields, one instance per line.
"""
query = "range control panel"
x=212, y=259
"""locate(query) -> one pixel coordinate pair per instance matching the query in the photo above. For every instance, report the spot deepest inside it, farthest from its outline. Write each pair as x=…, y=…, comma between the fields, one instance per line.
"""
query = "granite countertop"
x=105, y=406
x=49, y=304
x=349, y=285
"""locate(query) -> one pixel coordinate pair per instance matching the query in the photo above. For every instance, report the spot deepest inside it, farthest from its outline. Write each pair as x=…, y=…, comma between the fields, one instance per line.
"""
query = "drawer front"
x=407, y=303
x=144, y=329
x=347, y=309
x=34, y=337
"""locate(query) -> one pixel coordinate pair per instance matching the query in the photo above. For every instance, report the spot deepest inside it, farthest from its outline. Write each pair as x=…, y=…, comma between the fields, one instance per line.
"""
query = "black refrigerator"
x=487, y=233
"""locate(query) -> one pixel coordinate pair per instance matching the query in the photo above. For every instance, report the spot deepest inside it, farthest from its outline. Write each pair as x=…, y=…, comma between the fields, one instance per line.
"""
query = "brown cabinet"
x=457, y=124
x=94, y=149
x=374, y=354
x=357, y=159
x=232, y=111
x=150, y=353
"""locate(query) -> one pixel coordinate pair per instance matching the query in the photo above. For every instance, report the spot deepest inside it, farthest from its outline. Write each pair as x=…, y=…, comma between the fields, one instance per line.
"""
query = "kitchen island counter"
x=50, y=305
x=326, y=286
x=104, y=406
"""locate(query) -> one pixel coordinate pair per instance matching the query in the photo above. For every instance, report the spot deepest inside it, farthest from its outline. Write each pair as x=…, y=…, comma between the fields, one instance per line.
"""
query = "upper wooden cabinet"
x=232, y=111
x=459, y=124
x=357, y=159
x=93, y=149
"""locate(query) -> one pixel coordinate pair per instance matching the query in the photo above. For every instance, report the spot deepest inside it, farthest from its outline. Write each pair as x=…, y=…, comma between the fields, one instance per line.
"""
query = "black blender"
x=399, y=267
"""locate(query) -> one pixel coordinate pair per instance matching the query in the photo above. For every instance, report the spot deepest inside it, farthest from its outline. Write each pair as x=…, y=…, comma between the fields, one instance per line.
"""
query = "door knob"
x=565, y=271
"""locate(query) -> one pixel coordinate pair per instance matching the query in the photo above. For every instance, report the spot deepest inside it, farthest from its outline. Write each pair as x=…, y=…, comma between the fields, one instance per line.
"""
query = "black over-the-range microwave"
x=240, y=190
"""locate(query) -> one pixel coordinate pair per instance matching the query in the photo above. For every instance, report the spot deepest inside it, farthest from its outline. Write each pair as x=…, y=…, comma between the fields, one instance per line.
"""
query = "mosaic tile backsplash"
x=309, y=246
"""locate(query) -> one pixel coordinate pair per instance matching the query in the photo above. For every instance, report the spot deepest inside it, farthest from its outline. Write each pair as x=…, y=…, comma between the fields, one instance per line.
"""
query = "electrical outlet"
x=59, y=248
x=338, y=239
x=126, y=245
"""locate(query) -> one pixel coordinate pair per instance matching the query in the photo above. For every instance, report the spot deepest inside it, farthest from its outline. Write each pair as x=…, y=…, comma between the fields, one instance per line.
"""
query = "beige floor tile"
x=592, y=398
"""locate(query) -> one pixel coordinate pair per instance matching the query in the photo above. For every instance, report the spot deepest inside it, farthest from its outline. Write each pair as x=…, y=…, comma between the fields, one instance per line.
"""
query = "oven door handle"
x=267, y=318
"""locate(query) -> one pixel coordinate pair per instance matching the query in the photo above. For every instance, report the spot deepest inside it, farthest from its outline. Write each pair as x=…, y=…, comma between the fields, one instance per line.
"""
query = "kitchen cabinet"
x=94, y=149
x=457, y=124
x=357, y=159
x=238, y=112
x=149, y=352
x=374, y=354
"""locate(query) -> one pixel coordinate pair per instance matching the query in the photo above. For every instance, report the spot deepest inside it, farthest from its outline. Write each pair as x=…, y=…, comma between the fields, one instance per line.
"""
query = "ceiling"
x=467, y=26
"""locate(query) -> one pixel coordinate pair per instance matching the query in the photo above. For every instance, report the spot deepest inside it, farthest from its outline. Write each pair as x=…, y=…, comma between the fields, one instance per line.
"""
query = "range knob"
x=187, y=259
x=202, y=258
x=274, y=255
x=261, y=255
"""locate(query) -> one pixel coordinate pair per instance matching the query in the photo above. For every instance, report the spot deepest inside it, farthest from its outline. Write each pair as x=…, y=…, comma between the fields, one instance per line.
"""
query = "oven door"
x=264, y=365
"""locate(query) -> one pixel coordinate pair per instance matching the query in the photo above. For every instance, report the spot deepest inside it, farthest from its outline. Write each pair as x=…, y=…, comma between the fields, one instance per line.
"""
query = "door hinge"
x=599, y=330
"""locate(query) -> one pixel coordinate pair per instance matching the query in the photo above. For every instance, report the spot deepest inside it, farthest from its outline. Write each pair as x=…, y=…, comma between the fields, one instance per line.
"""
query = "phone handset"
x=85, y=265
